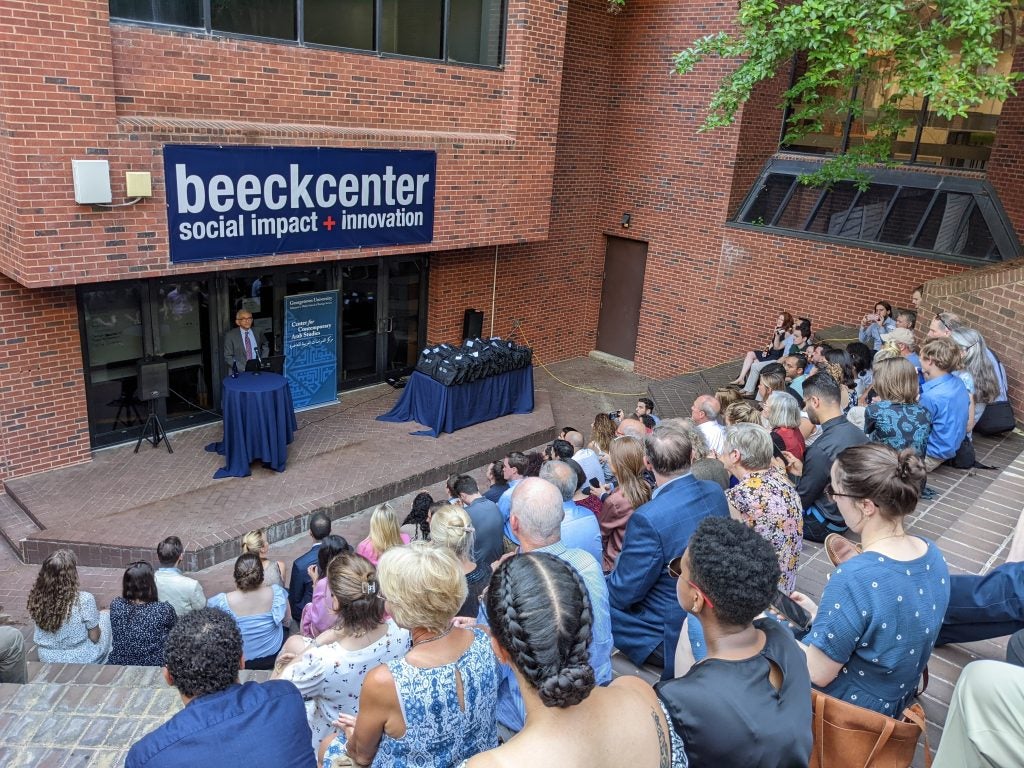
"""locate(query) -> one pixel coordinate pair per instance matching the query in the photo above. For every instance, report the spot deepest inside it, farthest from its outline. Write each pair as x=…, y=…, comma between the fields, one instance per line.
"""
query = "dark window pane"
x=183, y=13
x=768, y=199
x=412, y=27
x=910, y=205
x=474, y=31
x=942, y=231
x=348, y=24
x=833, y=208
x=978, y=241
x=268, y=18
x=799, y=207
x=864, y=221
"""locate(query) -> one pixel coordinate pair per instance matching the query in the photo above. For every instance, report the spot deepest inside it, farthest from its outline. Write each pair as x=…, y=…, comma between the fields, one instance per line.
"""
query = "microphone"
x=256, y=353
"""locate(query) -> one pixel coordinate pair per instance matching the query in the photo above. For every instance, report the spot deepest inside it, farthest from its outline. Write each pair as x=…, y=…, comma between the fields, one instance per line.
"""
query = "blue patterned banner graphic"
x=311, y=347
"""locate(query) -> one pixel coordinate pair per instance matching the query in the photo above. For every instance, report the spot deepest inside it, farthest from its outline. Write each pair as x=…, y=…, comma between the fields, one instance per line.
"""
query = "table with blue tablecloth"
x=448, y=408
x=259, y=423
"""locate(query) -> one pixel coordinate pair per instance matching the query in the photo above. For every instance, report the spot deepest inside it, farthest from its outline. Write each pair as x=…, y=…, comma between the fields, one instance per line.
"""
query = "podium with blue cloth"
x=447, y=408
x=259, y=423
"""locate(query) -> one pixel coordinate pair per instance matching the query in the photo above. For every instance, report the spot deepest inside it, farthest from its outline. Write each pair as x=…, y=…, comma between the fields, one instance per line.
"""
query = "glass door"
x=183, y=340
x=405, y=291
x=360, y=325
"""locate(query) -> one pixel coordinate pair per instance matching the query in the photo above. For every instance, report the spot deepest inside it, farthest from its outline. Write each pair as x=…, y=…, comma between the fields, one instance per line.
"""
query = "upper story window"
x=458, y=31
x=928, y=139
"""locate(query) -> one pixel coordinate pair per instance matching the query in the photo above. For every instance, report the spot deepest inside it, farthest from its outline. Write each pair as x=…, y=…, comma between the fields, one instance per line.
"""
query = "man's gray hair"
x=753, y=442
x=709, y=406
x=537, y=505
x=560, y=475
x=669, y=450
x=698, y=443
x=783, y=409
x=575, y=439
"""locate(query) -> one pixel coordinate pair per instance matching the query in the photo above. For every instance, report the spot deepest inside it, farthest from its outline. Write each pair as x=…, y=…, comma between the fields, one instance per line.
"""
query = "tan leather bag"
x=848, y=736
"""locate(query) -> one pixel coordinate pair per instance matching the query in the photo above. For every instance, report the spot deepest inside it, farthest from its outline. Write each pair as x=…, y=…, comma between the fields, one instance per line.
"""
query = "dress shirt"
x=183, y=593
x=714, y=434
x=947, y=401
x=581, y=530
x=505, y=507
x=837, y=435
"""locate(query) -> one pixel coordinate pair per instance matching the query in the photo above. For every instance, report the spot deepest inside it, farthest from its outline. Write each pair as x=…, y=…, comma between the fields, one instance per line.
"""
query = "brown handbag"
x=848, y=736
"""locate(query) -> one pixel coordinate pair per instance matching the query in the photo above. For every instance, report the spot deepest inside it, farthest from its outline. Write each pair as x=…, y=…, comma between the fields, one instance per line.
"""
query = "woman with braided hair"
x=541, y=626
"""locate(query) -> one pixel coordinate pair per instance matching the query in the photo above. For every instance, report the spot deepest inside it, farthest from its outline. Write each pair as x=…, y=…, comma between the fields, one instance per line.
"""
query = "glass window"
x=183, y=13
x=911, y=204
x=412, y=27
x=864, y=221
x=798, y=209
x=347, y=24
x=773, y=191
x=267, y=18
x=474, y=31
x=832, y=211
x=978, y=240
x=184, y=331
x=940, y=231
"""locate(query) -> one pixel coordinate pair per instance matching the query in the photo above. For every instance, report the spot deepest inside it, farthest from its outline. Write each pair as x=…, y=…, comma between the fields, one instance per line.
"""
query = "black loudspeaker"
x=472, y=324
x=153, y=380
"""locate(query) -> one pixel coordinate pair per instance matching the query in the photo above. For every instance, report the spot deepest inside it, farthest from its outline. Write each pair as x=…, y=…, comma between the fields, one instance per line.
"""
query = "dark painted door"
x=621, y=294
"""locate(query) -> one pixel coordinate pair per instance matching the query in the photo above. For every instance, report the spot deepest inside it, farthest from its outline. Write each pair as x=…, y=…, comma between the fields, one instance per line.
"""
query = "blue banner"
x=311, y=347
x=234, y=202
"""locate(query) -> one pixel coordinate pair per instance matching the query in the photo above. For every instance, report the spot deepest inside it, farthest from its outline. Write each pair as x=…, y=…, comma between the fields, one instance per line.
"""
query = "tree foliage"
x=945, y=51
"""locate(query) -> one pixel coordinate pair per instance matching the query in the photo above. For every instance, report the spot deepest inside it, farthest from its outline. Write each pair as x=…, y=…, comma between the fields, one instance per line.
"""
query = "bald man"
x=705, y=415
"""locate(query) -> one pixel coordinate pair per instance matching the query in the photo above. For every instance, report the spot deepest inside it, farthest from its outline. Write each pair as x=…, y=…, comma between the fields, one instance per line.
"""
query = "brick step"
x=15, y=524
x=95, y=713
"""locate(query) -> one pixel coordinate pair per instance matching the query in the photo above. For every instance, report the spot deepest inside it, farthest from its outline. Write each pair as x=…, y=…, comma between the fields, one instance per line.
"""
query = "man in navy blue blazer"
x=300, y=585
x=646, y=616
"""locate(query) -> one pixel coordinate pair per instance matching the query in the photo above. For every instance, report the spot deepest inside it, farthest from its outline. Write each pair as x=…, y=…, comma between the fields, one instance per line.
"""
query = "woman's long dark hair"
x=418, y=514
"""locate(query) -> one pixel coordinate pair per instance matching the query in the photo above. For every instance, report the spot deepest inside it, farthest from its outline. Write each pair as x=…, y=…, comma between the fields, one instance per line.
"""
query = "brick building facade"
x=539, y=161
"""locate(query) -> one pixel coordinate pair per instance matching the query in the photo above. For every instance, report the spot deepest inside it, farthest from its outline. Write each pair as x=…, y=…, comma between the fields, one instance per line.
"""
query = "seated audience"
x=983, y=726
x=743, y=412
x=514, y=469
x=452, y=528
x=881, y=610
x=496, y=484
x=319, y=615
x=257, y=543
x=488, y=526
x=300, y=585
x=69, y=627
x=821, y=516
x=630, y=425
x=895, y=418
x=646, y=618
x=781, y=414
x=587, y=496
x=874, y=324
x=764, y=499
x=906, y=344
x=727, y=395
x=384, y=534
x=183, y=593
x=329, y=670
x=984, y=383
x=781, y=340
x=139, y=622
x=703, y=465
x=795, y=367
x=580, y=529
x=13, y=668
x=222, y=722
x=534, y=461
x=747, y=702
x=860, y=357
x=435, y=705
x=840, y=366
x=645, y=407
x=258, y=609
x=945, y=398
x=542, y=628
x=419, y=515
x=705, y=415
x=632, y=492
x=559, y=449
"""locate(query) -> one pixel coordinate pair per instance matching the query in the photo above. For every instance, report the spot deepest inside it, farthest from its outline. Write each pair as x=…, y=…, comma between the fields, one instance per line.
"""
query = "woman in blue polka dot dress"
x=881, y=611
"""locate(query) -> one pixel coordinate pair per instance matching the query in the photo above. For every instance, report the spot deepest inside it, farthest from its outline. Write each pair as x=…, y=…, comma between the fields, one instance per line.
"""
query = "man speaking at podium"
x=240, y=344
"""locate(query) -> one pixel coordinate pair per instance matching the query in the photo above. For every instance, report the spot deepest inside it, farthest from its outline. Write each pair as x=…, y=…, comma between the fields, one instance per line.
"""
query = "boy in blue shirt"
x=946, y=399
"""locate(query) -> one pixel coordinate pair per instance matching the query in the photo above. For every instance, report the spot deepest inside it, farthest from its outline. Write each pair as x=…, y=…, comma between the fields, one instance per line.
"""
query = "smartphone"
x=785, y=605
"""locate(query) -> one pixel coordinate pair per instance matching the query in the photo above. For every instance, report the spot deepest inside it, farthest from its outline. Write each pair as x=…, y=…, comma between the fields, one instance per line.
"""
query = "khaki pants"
x=12, y=656
x=930, y=463
x=985, y=726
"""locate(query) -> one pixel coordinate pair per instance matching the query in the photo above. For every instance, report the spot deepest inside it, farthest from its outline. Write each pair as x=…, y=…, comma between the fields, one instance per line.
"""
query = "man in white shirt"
x=585, y=457
x=184, y=594
x=705, y=415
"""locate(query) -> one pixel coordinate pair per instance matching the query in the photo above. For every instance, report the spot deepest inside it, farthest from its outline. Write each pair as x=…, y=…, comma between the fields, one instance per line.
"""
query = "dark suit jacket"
x=645, y=611
x=234, y=349
x=300, y=586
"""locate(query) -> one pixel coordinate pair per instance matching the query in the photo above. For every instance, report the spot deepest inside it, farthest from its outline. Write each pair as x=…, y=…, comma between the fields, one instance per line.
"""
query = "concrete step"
x=16, y=524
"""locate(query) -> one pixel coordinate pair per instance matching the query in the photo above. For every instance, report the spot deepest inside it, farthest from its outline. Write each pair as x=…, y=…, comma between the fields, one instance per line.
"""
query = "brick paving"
x=972, y=519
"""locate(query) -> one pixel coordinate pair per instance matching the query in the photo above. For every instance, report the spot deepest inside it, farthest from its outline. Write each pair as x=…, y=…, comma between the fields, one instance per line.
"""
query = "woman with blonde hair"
x=627, y=461
x=742, y=412
x=69, y=627
x=895, y=418
x=451, y=527
x=257, y=543
x=384, y=534
x=437, y=705
x=329, y=670
x=601, y=435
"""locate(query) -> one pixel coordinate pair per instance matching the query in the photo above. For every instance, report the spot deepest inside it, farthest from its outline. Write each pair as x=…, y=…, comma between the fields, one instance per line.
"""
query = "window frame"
x=1006, y=244
x=207, y=31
